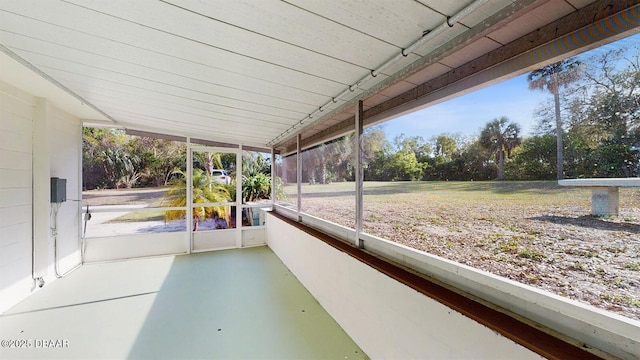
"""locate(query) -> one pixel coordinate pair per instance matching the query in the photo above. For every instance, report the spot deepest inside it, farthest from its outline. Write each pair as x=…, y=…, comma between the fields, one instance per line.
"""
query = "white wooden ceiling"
x=248, y=71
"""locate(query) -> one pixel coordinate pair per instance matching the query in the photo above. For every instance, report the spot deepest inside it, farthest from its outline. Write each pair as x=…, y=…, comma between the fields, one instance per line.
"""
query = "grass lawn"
x=136, y=196
x=533, y=232
x=140, y=216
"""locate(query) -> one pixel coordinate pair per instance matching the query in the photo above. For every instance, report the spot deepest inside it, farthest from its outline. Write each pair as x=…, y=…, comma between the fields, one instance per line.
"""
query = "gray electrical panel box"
x=58, y=190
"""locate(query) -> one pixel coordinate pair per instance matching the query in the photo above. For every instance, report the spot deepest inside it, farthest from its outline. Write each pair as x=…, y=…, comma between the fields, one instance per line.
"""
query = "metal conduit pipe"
x=54, y=232
x=448, y=23
x=441, y=28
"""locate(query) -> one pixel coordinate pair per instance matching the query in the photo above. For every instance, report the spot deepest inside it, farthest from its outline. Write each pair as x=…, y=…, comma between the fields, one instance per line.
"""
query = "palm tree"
x=256, y=183
x=551, y=78
x=500, y=137
x=209, y=160
x=205, y=190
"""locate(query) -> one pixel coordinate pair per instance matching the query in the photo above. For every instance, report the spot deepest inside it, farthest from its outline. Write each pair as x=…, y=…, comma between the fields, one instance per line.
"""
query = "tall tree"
x=403, y=165
x=445, y=146
x=534, y=159
x=314, y=164
x=611, y=107
x=375, y=152
x=500, y=137
x=415, y=144
x=552, y=78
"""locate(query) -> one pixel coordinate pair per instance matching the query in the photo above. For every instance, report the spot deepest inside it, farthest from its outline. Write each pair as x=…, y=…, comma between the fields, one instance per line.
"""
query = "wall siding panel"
x=16, y=127
x=13, y=216
x=12, y=234
x=16, y=160
x=15, y=178
x=14, y=197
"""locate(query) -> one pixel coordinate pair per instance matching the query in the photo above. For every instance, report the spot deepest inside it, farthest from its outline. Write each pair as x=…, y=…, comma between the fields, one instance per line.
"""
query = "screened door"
x=215, y=198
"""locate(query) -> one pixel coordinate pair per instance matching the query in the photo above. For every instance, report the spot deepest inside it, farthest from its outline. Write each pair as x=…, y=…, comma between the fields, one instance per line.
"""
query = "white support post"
x=81, y=241
x=189, y=189
x=359, y=174
x=238, y=198
x=273, y=176
x=299, y=175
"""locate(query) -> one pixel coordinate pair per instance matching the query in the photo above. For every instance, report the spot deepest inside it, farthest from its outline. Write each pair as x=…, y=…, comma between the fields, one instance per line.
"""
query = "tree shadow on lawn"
x=412, y=187
x=379, y=190
x=326, y=194
x=590, y=221
x=127, y=197
x=408, y=187
x=498, y=187
x=511, y=187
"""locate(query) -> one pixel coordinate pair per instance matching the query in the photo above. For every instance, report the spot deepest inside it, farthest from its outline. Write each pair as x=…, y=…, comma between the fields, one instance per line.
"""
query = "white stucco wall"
x=387, y=319
x=37, y=141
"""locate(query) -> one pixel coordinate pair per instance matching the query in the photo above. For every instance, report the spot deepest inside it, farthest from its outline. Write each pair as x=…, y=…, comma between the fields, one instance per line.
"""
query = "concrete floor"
x=234, y=304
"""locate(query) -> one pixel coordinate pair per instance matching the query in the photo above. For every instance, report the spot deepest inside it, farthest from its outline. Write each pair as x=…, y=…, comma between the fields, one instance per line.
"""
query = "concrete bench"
x=605, y=199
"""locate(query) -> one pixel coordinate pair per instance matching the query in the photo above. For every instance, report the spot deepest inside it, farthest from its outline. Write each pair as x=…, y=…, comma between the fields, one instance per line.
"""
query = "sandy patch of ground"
x=561, y=250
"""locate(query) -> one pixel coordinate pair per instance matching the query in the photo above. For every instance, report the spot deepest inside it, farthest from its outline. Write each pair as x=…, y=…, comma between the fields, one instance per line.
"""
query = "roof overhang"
x=260, y=73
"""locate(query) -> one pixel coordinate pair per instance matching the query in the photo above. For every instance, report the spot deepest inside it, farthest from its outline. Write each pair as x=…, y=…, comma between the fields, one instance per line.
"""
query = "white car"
x=221, y=176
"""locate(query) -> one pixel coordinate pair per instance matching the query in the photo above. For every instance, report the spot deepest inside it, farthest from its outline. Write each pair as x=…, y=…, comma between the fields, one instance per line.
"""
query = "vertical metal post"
x=273, y=176
x=359, y=174
x=189, y=189
x=239, y=197
x=299, y=175
x=81, y=241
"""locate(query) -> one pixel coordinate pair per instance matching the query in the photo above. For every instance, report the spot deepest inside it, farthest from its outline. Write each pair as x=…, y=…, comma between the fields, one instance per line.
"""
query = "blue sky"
x=468, y=114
